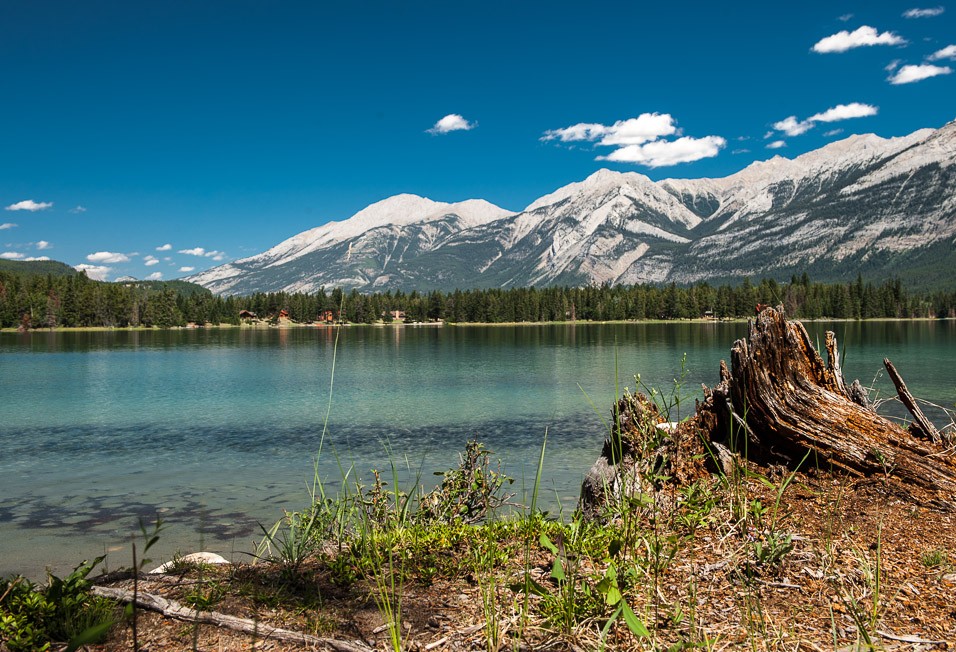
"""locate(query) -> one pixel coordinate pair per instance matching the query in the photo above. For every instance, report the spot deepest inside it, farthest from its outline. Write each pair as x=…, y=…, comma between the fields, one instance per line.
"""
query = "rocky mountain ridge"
x=878, y=206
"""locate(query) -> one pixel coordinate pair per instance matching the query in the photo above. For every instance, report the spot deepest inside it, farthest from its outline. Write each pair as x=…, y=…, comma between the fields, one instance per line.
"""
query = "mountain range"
x=880, y=207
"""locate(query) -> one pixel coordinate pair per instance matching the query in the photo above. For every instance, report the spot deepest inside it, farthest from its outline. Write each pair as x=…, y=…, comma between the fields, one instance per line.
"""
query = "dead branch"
x=921, y=424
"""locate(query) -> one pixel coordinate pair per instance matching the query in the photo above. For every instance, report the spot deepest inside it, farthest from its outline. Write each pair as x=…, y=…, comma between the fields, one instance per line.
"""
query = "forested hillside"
x=35, y=301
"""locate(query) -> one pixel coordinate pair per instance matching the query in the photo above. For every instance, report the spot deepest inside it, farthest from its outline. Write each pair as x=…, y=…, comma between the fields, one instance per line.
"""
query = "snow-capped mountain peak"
x=602, y=179
x=859, y=201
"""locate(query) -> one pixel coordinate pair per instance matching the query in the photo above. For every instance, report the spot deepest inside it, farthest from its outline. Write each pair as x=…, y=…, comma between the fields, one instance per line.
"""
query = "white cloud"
x=641, y=140
x=741, y=151
x=78, y=209
x=845, y=112
x=793, y=127
x=833, y=132
x=923, y=13
x=948, y=52
x=43, y=244
x=96, y=272
x=11, y=255
x=186, y=269
x=165, y=247
x=845, y=17
x=777, y=144
x=660, y=153
x=200, y=251
x=644, y=128
x=892, y=65
x=910, y=74
x=36, y=258
x=30, y=205
x=155, y=276
x=451, y=122
x=107, y=257
x=580, y=131
x=863, y=36
x=7, y=225
x=149, y=261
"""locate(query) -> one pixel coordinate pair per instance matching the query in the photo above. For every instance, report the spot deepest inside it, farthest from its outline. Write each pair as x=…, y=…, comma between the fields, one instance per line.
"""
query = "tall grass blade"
x=537, y=475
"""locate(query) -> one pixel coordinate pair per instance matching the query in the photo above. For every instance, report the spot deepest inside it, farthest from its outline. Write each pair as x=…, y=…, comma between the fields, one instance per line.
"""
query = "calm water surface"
x=218, y=430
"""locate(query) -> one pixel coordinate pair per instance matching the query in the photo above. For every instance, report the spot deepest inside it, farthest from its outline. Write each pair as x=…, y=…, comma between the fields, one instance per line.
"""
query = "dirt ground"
x=865, y=566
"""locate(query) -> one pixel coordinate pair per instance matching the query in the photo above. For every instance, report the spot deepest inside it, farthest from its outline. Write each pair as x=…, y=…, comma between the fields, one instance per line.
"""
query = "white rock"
x=195, y=558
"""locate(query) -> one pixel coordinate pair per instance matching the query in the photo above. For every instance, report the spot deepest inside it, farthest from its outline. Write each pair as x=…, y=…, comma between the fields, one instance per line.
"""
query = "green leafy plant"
x=33, y=618
x=467, y=493
x=934, y=558
x=773, y=548
x=695, y=505
x=609, y=589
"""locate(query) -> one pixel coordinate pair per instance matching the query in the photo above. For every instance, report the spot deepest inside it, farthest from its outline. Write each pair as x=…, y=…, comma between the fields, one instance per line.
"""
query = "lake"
x=218, y=430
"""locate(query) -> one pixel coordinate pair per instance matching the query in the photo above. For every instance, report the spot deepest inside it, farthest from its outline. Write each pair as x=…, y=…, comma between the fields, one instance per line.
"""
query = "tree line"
x=76, y=301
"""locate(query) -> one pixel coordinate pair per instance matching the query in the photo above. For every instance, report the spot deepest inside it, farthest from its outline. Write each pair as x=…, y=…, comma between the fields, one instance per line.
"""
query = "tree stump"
x=794, y=403
x=780, y=402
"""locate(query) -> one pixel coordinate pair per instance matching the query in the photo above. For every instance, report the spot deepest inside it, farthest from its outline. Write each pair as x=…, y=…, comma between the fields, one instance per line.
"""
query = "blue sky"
x=222, y=128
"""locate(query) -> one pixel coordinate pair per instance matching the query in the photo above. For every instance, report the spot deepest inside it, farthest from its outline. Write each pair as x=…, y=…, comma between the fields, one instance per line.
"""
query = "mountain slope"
x=862, y=204
x=852, y=205
x=367, y=250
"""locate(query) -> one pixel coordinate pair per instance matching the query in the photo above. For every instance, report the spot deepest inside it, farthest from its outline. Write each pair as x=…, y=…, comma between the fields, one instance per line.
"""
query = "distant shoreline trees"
x=49, y=301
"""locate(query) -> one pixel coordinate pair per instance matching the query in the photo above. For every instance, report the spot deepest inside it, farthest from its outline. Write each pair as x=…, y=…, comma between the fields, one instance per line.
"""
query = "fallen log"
x=779, y=402
x=173, y=609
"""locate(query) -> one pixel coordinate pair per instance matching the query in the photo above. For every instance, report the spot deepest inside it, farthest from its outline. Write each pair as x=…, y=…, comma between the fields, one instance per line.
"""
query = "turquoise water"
x=217, y=430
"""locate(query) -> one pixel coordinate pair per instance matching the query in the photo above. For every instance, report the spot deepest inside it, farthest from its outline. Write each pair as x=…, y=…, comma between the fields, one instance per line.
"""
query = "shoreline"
x=227, y=326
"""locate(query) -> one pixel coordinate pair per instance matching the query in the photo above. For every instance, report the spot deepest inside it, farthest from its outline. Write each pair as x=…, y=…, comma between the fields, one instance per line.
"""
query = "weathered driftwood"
x=780, y=402
x=173, y=609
